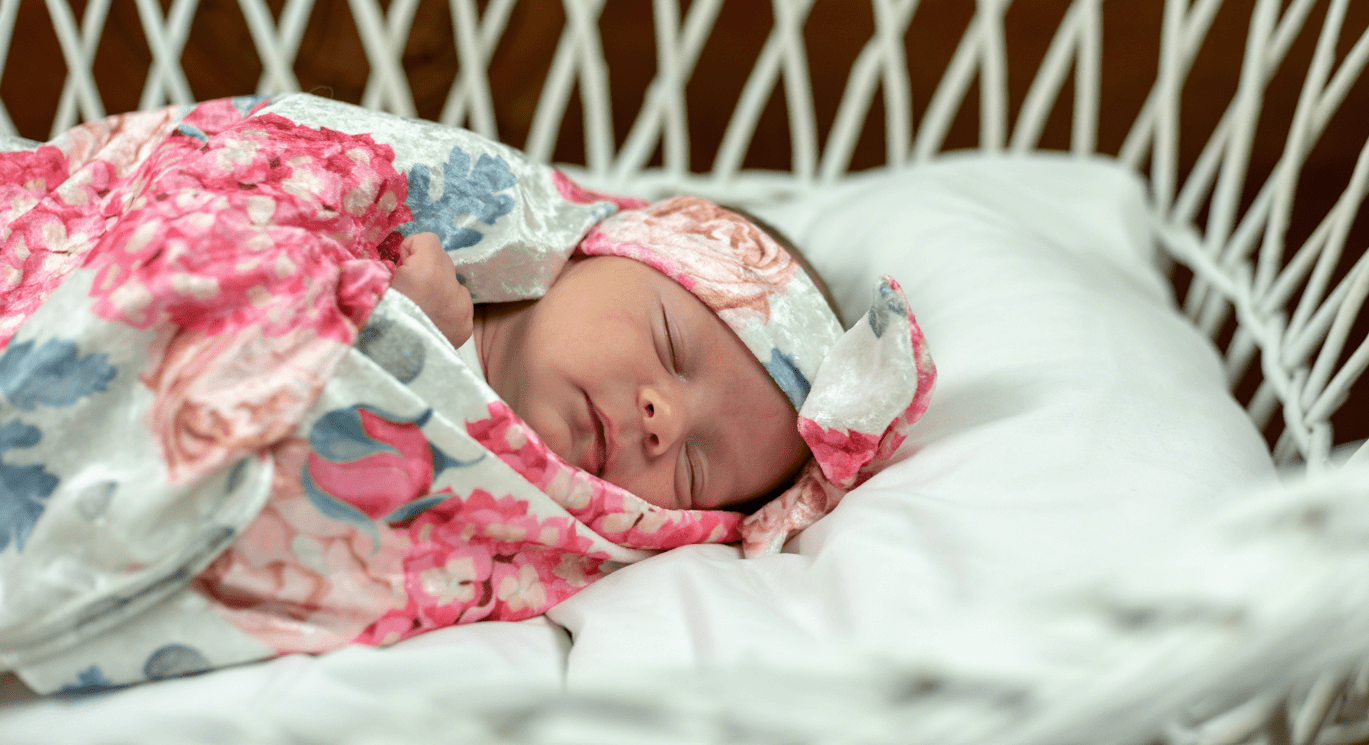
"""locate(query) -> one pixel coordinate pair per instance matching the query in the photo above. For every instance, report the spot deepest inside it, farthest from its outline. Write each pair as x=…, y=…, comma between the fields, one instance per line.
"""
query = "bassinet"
x=1257, y=172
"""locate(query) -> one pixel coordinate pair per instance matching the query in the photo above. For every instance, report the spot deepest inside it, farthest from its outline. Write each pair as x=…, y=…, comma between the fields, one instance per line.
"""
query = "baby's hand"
x=427, y=276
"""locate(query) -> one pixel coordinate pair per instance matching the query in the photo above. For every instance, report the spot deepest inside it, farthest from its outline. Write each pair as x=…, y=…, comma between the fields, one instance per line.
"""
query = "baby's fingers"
x=458, y=323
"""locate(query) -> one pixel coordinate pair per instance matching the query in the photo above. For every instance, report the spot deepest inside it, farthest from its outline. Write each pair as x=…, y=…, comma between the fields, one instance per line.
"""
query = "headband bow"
x=856, y=393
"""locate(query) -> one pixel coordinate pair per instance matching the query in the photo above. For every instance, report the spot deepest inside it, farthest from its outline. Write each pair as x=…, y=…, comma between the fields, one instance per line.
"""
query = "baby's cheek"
x=554, y=432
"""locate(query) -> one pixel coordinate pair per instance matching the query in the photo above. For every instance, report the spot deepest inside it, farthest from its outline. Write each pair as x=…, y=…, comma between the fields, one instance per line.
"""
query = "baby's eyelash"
x=693, y=478
x=684, y=480
x=670, y=342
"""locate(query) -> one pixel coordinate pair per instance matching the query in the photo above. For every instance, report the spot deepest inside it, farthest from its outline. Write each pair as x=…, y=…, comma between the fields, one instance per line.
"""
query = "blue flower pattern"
x=887, y=303
x=465, y=191
x=90, y=678
x=23, y=489
x=53, y=374
x=174, y=661
x=784, y=370
x=244, y=104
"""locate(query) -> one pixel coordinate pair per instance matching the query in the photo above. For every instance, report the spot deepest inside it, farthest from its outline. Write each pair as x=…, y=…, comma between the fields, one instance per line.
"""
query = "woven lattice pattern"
x=1286, y=309
x=1295, y=345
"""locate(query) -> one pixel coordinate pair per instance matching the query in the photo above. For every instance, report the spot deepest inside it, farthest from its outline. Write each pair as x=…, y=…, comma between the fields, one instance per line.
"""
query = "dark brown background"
x=220, y=60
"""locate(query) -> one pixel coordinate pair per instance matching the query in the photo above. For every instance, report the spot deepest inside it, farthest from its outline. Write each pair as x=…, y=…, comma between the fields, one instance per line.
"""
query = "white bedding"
x=331, y=697
x=1078, y=420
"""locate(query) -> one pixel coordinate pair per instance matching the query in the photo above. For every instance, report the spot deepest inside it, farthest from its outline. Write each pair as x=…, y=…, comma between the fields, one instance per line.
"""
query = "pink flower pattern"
x=844, y=458
x=250, y=246
x=729, y=263
x=247, y=246
x=455, y=555
x=609, y=510
x=216, y=398
x=841, y=452
x=573, y=192
x=465, y=556
x=309, y=206
x=381, y=482
x=298, y=580
x=55, y=204
x=477, y=558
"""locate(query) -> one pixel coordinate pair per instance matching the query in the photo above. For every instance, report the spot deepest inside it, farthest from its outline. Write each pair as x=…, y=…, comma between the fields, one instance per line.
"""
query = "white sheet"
x=1077, y=421
x=331, y=697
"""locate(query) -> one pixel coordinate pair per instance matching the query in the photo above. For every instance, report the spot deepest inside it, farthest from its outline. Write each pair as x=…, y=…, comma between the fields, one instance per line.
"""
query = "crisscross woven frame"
x=1296, y=307
x=1293, y=322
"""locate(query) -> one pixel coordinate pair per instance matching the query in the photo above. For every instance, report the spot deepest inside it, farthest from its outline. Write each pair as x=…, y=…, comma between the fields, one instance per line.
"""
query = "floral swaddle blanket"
x=222, y=439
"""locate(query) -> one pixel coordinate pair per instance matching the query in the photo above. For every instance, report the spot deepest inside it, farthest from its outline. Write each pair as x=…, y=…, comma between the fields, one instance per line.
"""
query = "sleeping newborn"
x=685, y=354
x=314, y=465
x=625, y=374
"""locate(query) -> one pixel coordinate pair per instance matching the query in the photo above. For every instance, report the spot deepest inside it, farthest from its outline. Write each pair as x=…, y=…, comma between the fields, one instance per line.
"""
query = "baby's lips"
x=596, y=458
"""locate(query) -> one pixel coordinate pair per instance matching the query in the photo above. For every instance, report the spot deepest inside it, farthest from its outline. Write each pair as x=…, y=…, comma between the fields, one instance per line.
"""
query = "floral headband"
x=856, y=393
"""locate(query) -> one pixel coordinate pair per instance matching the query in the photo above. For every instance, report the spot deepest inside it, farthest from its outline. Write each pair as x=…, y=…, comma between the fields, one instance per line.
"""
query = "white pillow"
x=1077, y=420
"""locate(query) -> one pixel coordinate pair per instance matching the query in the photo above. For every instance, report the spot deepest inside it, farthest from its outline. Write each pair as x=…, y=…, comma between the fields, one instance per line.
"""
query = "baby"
x=625, y=374
x=673, y=351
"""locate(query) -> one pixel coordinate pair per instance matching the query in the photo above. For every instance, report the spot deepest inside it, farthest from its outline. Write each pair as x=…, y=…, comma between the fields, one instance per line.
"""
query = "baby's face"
x=627, y=375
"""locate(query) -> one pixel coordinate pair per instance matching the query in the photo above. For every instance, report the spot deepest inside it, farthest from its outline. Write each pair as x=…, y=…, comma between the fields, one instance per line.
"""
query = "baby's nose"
x=661, y=420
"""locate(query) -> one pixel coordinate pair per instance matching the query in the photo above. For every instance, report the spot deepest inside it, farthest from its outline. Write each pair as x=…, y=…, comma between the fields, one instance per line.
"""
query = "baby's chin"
x=564, y=449
x=556, y=438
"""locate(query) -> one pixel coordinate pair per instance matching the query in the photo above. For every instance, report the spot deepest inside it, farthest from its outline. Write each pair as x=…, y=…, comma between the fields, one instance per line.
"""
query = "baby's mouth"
x=597, y=457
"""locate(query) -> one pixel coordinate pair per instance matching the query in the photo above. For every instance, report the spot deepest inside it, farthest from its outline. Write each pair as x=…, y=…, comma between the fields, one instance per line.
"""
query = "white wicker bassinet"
x=1278, y=285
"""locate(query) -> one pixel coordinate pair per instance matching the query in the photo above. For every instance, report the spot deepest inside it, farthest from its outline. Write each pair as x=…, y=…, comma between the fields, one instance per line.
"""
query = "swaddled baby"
x=315, y=466
x=625, y=374
x=628, y=375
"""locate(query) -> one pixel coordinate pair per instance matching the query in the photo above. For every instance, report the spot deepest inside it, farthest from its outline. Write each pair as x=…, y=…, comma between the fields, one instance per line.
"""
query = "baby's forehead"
x=628, y=272
x=630, y=280
x=640, y=284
